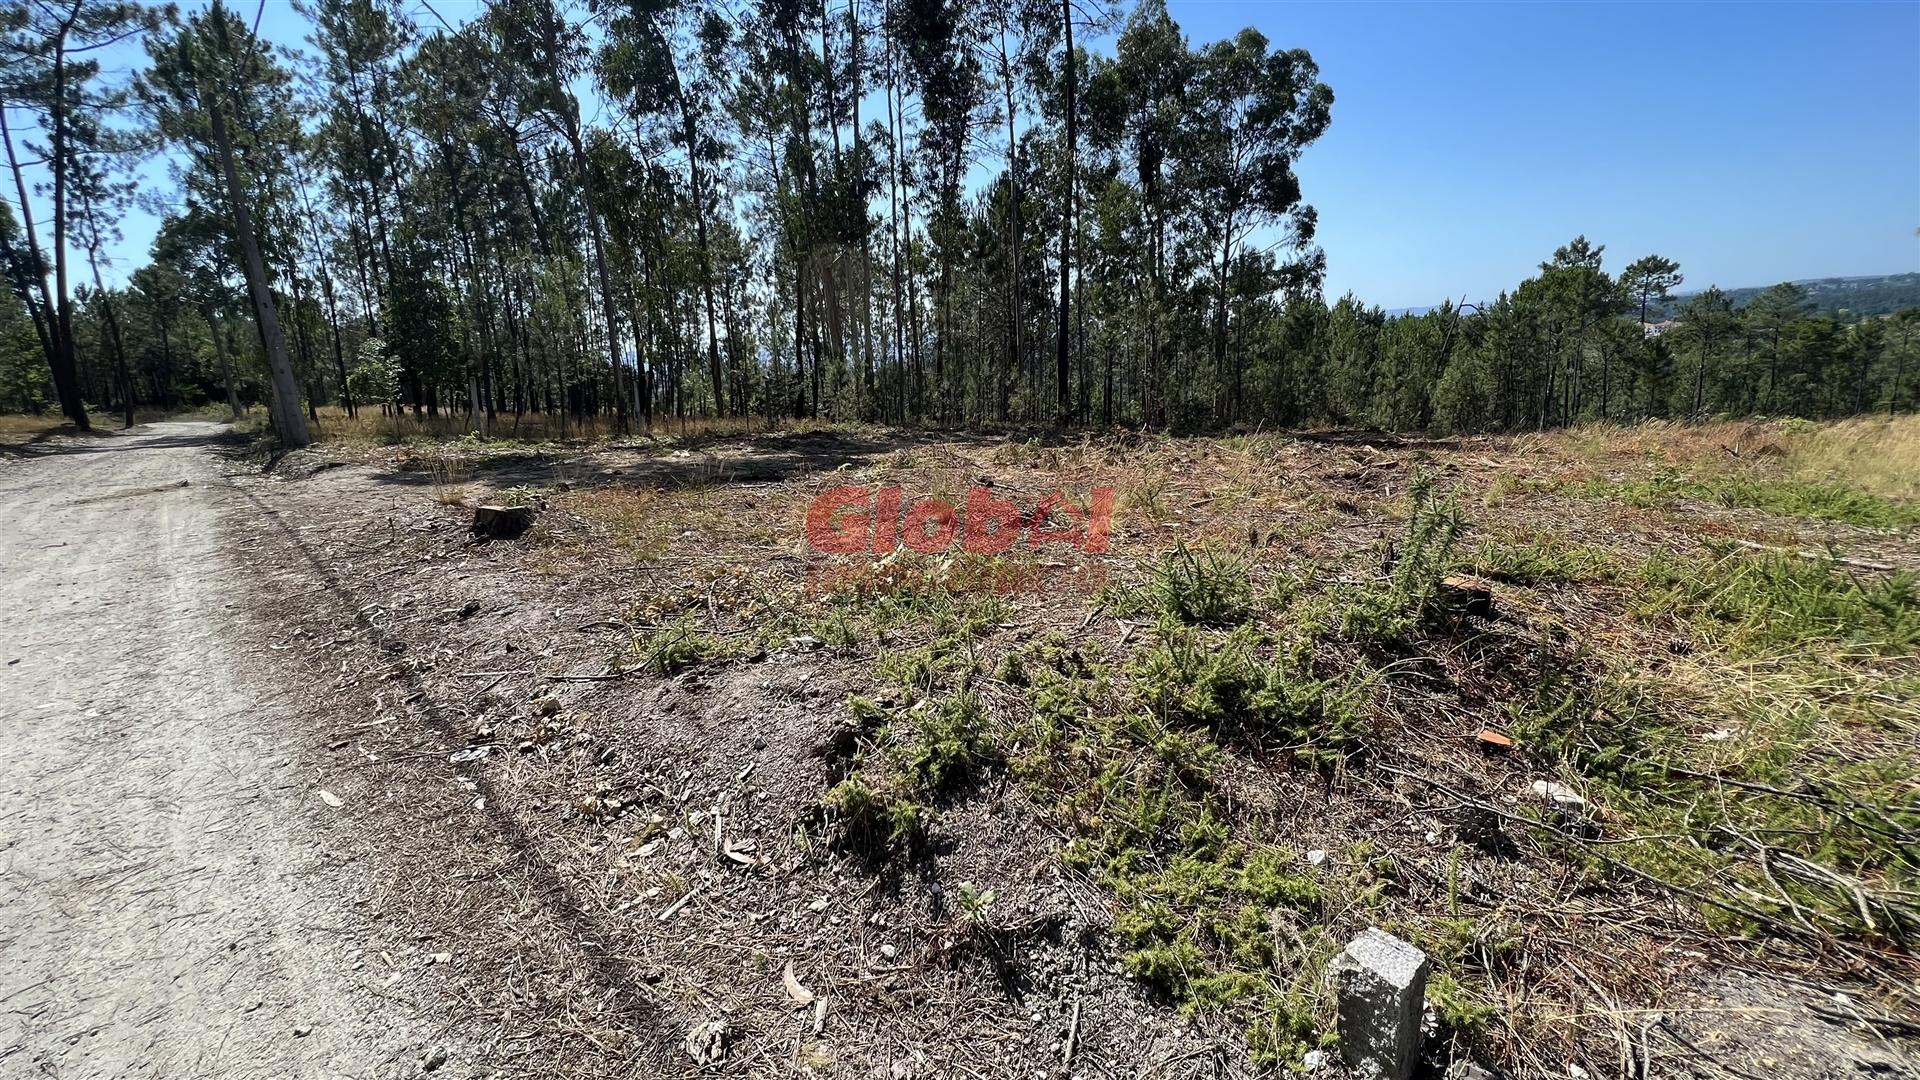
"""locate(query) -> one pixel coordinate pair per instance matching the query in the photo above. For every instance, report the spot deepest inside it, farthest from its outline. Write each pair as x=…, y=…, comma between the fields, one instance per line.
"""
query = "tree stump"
x=503, y=522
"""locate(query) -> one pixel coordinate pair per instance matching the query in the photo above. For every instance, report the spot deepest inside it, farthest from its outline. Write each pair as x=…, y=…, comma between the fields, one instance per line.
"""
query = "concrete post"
x=1381, y=984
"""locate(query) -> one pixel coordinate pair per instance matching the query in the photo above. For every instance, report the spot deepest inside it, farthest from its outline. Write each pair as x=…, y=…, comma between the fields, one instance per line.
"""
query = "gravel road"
x=164, y=909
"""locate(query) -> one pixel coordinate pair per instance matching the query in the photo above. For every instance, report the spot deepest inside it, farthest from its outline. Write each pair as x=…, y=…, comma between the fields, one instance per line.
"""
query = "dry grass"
x=372, y=426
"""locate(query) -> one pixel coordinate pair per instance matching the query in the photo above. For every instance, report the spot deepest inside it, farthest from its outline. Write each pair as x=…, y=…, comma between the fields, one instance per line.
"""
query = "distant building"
x=1655, y=329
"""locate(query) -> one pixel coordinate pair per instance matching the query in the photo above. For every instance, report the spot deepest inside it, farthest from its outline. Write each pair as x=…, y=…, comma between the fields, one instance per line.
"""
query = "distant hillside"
x=1843, y=298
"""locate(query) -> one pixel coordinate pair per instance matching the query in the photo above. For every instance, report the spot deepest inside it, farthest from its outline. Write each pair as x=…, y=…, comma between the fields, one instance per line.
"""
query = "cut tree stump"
x=503, y=522
x=1463, y=595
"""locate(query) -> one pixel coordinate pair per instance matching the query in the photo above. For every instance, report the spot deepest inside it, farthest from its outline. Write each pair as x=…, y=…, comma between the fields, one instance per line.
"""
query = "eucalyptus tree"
x=940, y=42
x=1252, y=112
x=645, y=64
x=551, y=51
x=357, y=88
x=214, y=90
x=1136, y=109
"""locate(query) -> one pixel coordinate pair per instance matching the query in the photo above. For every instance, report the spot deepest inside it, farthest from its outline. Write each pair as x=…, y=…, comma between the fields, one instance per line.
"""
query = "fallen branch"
x=1819, y=556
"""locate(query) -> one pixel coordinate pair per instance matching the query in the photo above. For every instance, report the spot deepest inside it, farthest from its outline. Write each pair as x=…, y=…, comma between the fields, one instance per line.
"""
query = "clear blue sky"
x=1752, y=142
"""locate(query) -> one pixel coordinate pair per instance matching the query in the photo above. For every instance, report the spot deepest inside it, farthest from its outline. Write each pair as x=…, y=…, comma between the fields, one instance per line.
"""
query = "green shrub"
x=1202, y=589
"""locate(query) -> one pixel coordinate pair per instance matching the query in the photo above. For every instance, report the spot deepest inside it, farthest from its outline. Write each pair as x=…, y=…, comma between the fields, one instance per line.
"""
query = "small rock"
x=433, y=1059
x=1560, y=796
x=1313, y=1060
x=818, y=905
x=889, y=952
x=303, y=1031
x=1316, y=857
x=707, y=1043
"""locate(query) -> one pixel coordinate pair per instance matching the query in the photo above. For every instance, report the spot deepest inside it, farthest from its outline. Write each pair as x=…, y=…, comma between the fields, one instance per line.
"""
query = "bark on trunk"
x=287, y=418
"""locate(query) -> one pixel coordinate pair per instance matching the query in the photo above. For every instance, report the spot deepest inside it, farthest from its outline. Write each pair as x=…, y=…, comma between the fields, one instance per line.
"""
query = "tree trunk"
x=60, y=359
x=219, y=336
x=287, y=418
x=1066, y=226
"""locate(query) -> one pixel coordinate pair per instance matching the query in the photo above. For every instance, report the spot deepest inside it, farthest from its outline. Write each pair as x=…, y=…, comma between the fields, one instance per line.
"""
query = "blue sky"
x=1752, y=142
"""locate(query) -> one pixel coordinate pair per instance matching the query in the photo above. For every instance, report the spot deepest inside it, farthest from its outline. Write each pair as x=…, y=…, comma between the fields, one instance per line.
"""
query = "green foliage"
x=1545, y=564
x=1386, y=614
x=375, y=376
x=23, y=369
x=875, y=816
x=1791, y=498
x=975, y=905
x=1227, y=685
x=952, y=740
x=674, y=649
x=1757, y=604
x=1202, y=589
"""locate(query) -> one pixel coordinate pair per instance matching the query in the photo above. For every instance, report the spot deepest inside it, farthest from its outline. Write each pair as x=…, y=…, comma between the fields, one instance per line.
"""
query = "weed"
x=673, y=649
x=1387, y=614
x=1790, y=498
x=1538, y=564
x=874, y=816
x=1148, y=495
x=975, y=906
x=1226, y=685
x=1202, y=589
x=1757, y=604
x=952, y=740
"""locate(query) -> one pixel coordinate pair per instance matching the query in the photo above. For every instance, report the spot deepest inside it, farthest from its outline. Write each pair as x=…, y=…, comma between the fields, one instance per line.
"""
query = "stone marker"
x=1381, y=984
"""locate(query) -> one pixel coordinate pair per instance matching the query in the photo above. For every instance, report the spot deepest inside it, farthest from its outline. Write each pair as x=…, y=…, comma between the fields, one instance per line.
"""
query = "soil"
x=167, y=907
x=302, y=780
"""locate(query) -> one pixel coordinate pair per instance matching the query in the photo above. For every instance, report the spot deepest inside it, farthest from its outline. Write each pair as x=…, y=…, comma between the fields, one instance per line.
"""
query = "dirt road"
x=164, y=912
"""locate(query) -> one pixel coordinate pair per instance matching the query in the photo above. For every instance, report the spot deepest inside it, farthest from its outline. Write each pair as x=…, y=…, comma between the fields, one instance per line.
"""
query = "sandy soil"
x=164, y=910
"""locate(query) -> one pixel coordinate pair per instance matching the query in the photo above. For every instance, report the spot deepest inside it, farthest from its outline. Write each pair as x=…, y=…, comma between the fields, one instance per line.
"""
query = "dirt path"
x=164, y=911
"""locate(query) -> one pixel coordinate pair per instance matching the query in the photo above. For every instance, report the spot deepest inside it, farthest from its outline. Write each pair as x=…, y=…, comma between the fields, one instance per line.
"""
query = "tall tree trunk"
x=287, y=419
x=58, y=338
x=1066, y=222
x=867, y=409
x=113, y=320
x=695, y=178
x=218, y=333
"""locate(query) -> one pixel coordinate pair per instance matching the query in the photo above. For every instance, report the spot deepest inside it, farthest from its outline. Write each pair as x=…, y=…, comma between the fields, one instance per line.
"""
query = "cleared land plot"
x=1123, y=807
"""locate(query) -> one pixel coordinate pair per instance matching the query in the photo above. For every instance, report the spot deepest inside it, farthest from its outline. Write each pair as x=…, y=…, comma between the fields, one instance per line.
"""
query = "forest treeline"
x=947, y=212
